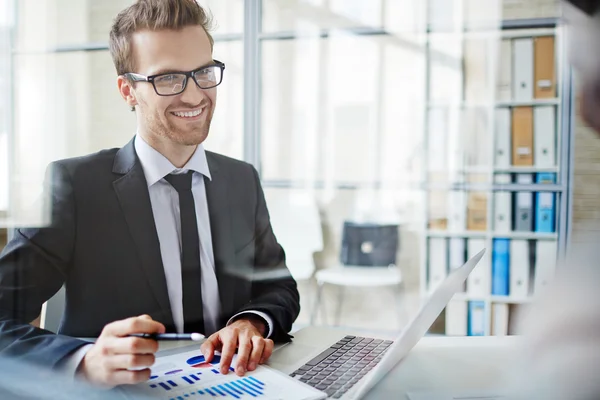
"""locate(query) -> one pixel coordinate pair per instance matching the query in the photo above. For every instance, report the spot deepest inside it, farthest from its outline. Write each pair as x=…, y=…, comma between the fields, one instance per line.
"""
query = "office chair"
x=367, y=258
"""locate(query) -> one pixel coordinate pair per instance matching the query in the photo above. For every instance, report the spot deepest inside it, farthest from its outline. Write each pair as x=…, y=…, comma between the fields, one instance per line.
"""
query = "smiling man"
x=158, y=236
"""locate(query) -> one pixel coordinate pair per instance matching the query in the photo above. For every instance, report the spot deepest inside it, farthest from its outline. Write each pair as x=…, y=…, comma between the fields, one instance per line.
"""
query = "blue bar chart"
x=182, y=377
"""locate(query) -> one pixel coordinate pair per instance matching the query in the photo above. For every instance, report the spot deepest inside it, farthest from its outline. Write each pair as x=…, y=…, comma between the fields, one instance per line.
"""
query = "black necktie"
x=190, y=254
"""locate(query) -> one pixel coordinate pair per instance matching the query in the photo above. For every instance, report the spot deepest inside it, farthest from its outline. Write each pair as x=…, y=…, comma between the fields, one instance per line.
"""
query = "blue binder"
x=476, y=326
x=501, y=267
x=545, y=205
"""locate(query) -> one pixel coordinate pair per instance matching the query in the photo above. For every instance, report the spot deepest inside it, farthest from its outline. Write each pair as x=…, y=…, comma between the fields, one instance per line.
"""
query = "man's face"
x=168, y=51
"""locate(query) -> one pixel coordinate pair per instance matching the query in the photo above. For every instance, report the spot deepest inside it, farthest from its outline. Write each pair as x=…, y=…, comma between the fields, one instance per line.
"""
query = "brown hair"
x=153, y=15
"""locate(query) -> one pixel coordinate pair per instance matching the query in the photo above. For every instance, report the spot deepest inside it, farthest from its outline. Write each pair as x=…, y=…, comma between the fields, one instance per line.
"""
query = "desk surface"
x=455, y=364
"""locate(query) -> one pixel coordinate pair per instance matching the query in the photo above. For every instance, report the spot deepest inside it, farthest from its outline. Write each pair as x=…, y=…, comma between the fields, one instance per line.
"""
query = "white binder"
x=523, y=69
x=503, y=149
x=480, y=279
x=519, y=269
x=456, y=318
x=524, y=206
x=544, y=139
x=545, y=264
x=502, y=206
x=504, y=82
x=456, y=257
x=438, y=261
x=500, y=315
x=457, y=211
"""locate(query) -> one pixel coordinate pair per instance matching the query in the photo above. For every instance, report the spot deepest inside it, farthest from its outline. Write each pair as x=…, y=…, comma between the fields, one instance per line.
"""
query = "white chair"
x=376, y=255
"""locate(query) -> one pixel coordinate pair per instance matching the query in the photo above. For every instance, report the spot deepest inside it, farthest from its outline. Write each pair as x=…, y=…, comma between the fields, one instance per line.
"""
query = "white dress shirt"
x=164, y=200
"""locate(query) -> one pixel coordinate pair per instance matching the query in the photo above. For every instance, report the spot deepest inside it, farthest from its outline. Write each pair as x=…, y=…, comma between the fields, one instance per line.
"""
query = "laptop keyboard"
x=339, y=367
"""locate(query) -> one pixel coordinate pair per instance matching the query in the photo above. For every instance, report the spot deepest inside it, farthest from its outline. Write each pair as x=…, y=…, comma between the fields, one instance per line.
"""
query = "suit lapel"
x=133, y=195
x=220, y=227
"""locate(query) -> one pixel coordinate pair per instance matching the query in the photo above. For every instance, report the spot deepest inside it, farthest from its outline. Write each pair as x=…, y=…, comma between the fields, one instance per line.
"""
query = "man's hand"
x=247, y=335
x=109, y=361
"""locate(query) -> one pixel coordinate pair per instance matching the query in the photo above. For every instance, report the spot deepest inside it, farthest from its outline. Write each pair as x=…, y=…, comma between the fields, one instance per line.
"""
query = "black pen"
x=196, y=337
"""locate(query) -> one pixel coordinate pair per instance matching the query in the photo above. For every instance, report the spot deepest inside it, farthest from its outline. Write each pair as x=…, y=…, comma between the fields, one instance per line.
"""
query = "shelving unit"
x=479, y=177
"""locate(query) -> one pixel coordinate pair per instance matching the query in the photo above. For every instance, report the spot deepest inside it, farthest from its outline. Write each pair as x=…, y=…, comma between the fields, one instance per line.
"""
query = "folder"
x=477, y=211
x=524, y=206
x=522, y=136
x=476, y=318
x=456, y=318
x=477, y=90
x=438, y=261
x=519, y=269
x=500, y=317
x=544, y=205
x=523, y=69
x=479, y=280
x=545, y=264
x=500, y=267
x=545, y=71
x=544, y=128
x=456, y=256
x=457, y=211
x=502, y=153
x=504, y=81
x=502, y=206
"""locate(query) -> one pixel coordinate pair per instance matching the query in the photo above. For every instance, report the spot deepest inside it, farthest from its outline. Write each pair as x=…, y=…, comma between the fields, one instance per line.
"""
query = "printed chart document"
x=187, y=375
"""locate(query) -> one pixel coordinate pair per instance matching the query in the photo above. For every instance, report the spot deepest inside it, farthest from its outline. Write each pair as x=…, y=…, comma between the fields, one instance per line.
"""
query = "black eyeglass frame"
x=190, y=74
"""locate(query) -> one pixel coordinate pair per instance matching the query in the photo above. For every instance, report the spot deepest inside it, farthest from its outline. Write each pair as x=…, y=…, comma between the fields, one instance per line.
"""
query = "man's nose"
x=193, y=94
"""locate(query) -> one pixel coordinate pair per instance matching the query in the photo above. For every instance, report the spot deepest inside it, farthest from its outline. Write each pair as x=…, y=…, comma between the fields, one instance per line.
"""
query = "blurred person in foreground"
x=562, y=330
x=158, y=236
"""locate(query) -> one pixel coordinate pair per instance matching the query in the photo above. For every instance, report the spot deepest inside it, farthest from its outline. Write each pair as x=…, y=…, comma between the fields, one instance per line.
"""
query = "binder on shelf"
x=502, y=153
x=545, y=264
x=502, y=206
x=457, y=211
x=479, y=280
x=438, y=261
x=456, y=318
x=524, y=206
x=476, y=70
x=477, y=211
x=456, y=257
x=544, y=71
x=523, y=69
x=504, y=83
x=500, y=317
x=500, y=267
x=544, y=143
x=437, y=214
x=476, y=318
x=522, y=136
x=544, y=205
x=519, y=269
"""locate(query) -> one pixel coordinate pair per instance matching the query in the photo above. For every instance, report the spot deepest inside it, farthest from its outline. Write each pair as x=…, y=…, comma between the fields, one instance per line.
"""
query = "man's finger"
x=229, y=344
x=130, y=361
x=133, y=325
x=258, y=345
x=244, y=350
x=131, y=345
x=268, y=351
x=210, y=345
x=125, y=377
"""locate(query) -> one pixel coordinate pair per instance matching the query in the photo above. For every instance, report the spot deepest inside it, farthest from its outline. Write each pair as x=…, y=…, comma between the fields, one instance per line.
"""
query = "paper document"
x=187, y=375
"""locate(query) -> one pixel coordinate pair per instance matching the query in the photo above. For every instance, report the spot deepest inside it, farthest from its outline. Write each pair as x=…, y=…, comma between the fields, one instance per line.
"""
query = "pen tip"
x=197, y=337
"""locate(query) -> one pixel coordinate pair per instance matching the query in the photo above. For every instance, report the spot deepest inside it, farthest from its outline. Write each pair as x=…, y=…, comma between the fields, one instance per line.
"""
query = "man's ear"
x=127, y=92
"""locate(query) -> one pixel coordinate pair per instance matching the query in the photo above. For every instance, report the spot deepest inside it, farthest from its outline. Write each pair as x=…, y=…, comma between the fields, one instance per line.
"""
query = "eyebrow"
x=172, y=71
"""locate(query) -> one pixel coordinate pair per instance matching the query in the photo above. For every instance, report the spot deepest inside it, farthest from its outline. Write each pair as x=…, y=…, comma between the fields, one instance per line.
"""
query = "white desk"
x=437, y=363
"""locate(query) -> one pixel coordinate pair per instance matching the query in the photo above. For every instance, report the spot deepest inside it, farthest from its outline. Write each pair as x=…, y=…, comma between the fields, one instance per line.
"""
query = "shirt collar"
x=156, y=166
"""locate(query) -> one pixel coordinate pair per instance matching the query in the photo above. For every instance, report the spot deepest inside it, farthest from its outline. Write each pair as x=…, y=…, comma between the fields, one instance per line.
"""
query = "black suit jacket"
x=102, y=244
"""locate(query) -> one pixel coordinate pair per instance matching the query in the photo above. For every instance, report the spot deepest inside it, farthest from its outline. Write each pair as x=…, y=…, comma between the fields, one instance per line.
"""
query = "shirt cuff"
x=261, y=314
x=72, y=361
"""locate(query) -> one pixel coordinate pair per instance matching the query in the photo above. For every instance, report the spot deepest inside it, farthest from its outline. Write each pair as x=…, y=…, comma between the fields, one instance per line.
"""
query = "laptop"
x=351, y=365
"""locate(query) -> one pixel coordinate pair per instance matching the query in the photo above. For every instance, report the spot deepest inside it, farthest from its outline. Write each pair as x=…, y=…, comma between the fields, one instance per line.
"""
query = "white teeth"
x=189, y=114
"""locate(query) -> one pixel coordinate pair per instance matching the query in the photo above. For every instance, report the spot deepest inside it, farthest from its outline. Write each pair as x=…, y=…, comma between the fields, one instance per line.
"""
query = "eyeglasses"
x=174, y=83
